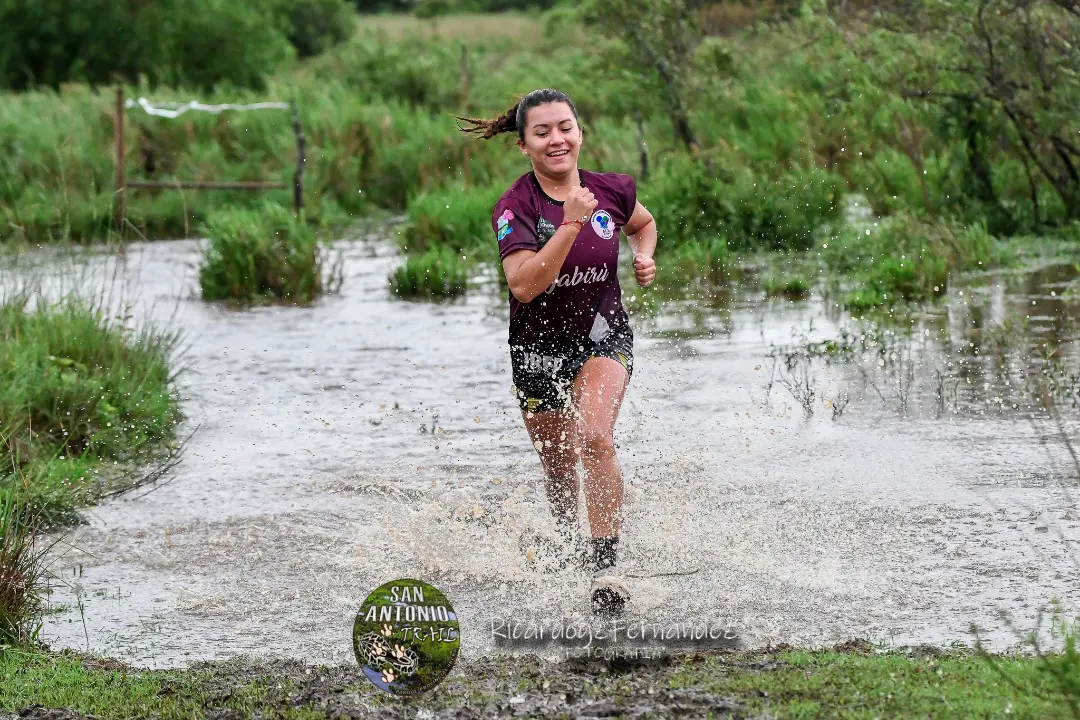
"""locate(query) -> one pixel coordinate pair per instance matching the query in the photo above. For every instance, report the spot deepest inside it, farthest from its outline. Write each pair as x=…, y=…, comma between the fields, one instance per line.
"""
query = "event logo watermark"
x=406, y=637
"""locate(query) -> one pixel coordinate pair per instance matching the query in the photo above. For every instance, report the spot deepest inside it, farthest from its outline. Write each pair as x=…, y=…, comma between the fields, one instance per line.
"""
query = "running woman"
x=571, y=346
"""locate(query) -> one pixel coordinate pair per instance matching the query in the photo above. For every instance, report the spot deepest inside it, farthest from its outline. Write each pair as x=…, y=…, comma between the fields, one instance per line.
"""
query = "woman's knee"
x=560, y=461
x=597, y=443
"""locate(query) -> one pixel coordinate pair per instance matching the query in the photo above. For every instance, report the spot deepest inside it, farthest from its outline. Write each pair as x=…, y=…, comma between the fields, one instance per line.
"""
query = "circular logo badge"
x=406, y=637
x=602, y=224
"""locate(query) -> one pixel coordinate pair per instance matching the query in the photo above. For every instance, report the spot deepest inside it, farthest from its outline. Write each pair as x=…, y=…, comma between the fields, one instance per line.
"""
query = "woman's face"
x=552, y=138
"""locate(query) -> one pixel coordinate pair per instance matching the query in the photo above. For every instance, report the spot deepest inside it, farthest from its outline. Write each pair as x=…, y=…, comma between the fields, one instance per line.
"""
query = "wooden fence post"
x=642, y=147
x=298, y=178
x=465, y=98
x=118, y=128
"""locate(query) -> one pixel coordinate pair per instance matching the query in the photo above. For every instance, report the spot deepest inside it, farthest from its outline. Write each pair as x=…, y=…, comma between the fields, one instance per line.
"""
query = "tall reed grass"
x=787, y=128
x=438, y=273
x=902, y=258
x=22, y=566
x=264, y=253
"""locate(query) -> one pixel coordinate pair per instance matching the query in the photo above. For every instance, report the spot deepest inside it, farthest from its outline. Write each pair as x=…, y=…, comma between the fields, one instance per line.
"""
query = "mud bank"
x=854, y=678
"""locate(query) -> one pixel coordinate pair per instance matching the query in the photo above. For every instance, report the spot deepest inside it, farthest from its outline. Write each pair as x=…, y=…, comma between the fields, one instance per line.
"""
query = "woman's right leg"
x=553, y=435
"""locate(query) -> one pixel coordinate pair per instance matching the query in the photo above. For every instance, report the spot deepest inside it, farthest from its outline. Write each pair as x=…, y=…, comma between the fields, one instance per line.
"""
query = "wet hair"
x=515, y=118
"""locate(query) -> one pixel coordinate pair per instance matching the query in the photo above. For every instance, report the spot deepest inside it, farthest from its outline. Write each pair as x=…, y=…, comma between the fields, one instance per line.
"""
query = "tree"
x=1013, y=61
x=662, y=36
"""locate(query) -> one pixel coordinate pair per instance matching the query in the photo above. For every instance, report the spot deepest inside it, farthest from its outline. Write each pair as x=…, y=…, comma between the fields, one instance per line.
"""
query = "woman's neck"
x=558, y=187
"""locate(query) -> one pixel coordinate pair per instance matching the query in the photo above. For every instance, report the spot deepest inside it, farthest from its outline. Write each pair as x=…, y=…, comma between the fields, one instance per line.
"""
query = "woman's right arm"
x=530, y=272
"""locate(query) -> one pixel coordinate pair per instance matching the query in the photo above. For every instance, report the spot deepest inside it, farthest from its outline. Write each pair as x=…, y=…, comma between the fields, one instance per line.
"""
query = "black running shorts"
x=543, y=383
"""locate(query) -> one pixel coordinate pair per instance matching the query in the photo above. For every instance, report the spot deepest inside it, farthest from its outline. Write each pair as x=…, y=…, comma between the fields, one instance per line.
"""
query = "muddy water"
x=363, y=439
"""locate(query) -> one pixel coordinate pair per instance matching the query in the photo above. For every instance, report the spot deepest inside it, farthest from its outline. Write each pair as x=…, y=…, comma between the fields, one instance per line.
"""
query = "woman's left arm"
x=640, y=232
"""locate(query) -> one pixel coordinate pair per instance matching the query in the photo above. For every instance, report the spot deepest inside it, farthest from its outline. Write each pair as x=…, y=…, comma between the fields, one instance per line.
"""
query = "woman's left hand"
x=644, y=269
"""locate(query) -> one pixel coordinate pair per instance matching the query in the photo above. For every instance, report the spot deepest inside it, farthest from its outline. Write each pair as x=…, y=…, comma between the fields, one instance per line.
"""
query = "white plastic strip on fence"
x=177, y=109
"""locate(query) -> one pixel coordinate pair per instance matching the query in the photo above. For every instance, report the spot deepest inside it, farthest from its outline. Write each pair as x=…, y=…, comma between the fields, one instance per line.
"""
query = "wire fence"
x=175, y=110
x=172, y=110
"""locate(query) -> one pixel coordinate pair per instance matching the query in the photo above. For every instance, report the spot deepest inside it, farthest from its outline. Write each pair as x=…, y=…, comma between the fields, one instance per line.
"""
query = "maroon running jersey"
x=585, y=301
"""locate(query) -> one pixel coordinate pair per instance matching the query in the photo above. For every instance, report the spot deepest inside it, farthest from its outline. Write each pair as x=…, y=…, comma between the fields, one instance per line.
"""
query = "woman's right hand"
x=579, y=203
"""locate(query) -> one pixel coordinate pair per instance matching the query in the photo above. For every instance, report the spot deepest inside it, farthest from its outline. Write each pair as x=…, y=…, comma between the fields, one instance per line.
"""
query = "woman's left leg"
x=598, y=393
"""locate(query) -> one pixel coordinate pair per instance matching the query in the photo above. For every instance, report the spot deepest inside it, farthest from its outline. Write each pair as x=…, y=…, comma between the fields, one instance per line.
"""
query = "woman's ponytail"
x=507, y=122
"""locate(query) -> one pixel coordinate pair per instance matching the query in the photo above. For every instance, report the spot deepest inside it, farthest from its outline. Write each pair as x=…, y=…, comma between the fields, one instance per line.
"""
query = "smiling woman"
x=571, y=345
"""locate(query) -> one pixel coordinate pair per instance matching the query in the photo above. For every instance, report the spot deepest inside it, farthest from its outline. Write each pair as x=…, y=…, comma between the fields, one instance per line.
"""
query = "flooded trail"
x=363, y=439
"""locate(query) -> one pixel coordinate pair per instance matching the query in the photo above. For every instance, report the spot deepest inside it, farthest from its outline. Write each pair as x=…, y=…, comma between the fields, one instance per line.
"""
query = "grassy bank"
x=87, y=405
x=851, y=680
x=79, y=389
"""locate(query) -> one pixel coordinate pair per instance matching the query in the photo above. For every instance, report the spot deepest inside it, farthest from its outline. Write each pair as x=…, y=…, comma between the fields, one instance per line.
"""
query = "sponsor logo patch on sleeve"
x=504, y=224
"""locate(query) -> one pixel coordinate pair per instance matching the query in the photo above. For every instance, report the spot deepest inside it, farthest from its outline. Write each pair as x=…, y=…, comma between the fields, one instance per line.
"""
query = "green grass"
x=706, y=258
x=261, y=254
x=364, y=152
x=84, y=402
x=810, y=685
x=77, y=387
x=852, y=682
x=439, y=273
x=109, y=689
x=22, y=565
x=901, y=258
x=791, y=286
x=789, y=121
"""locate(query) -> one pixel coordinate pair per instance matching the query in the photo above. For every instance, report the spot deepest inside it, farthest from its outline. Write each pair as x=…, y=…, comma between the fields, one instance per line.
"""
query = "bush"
x=891, y=184
x=429, y=9
x=376, y=6
x=454, y=218
x=438, y=273
x=731, y=16
x=903, y=258
x=751, y=212
x=265, y=253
